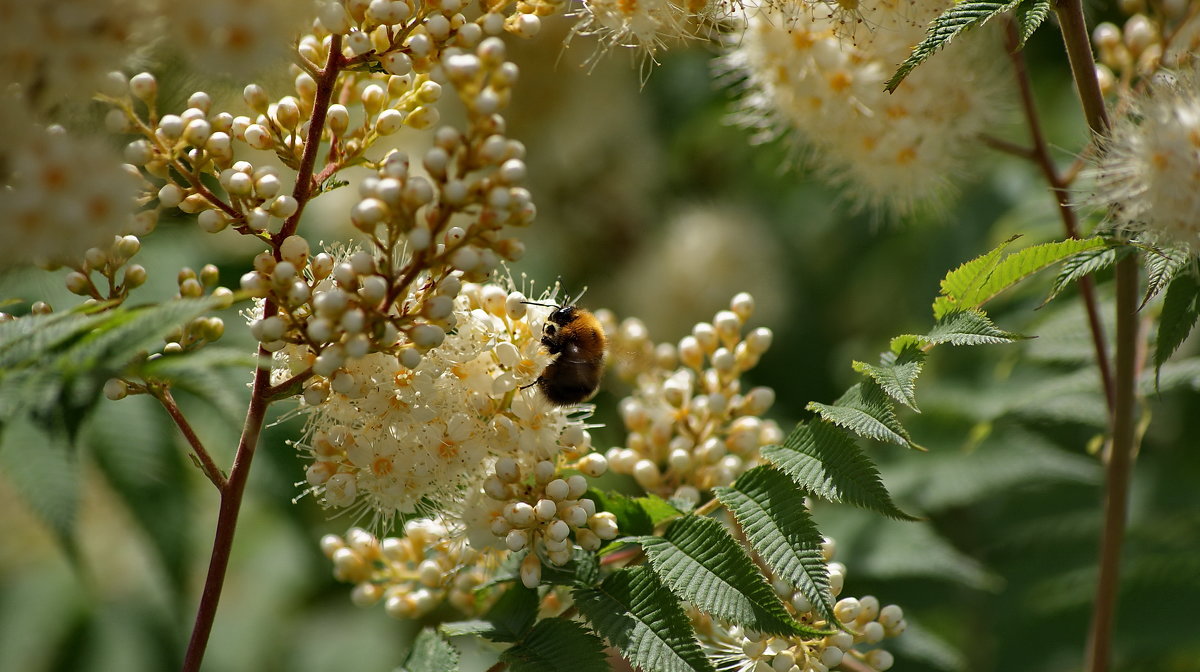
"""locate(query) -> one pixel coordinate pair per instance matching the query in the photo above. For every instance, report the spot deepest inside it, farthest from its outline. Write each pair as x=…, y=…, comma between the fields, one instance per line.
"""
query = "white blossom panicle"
x=1149, y=168
x=865, y=621
x=57, y=50
x=819, y=75
x=234, y=35
x=691, y=425
x=62, y=196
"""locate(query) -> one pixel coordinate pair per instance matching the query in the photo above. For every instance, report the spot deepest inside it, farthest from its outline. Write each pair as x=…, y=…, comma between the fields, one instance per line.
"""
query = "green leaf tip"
x=962, y=16
x=431, y=653
x=825, y=462
x=1181, y=309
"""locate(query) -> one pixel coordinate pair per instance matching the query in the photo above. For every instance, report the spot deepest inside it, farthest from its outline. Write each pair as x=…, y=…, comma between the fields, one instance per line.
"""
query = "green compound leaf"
x=964, y=327
x=867, y=411
x=824, y=461
x=1079, y=266
x=959, y=18
x=53, y=367
x=770, y=509
x=698, y=560
x=979, y=281
x=431, y=653
x=1162, y=265
x=636, y=613
x=1030, y=16
x=1181, y=308
x=897, y=374
x=557, y=645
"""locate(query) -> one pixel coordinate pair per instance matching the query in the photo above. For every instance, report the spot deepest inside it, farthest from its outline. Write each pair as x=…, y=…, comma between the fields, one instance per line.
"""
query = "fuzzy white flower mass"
x=819, y=75
x=1149, y=172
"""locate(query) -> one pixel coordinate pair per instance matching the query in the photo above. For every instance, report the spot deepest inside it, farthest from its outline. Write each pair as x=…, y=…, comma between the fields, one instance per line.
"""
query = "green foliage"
x=769, y=508
x=513, y=613
x=199, y=373
x=698, y=560
x=431, y=653
x=978, y=281
x=897, y=374
x=967, y=327
x=636, y=613
x=659, y=509
x=53, y=367
x=45, y=472
x=133, y=444
x=866, y=410
x=1181, y=308
x=1009, y=459
x=1030, y=16
x=825, y=462
x=557, y=645
x=1162, y=265
x=960, y=17
x=1081, y=265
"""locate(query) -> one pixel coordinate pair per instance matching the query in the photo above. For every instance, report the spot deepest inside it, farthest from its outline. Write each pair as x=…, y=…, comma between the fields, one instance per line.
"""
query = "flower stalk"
x=261, y=394
x=1121, y=454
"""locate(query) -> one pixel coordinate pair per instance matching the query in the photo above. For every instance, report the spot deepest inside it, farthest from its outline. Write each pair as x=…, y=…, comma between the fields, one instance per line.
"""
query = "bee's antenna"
x=544, y=305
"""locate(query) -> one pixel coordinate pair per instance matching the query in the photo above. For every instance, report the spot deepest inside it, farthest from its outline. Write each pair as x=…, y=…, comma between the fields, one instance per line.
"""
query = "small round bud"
x=531, y=571
x=116, y=389
x=143, y=86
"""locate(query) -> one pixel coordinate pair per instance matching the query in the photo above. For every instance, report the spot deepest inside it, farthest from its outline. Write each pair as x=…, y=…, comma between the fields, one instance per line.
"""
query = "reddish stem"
x=206, y=462
x=260, y=395
x=227, y=517
x=1040, y=154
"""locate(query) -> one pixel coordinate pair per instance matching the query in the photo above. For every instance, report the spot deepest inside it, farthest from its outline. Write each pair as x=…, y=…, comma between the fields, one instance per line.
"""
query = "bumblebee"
x=576, y=337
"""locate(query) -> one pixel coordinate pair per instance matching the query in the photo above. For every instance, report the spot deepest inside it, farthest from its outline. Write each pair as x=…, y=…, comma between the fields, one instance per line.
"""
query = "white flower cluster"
x=867, y=624
x=803, y=72
x=398, y=434
x=691, y=425
x=62, y=196
x=56, y=50
x=1149, y=169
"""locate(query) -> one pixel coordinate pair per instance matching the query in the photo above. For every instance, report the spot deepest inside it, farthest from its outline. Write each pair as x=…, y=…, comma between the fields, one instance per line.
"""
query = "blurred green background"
x=663, y=212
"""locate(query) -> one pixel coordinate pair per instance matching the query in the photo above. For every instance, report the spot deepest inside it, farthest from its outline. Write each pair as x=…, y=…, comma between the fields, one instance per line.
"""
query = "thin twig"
x=1002, y=145
x=1121, y=456
x=227, y=516
x=163, y=394
x=1040, y=154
